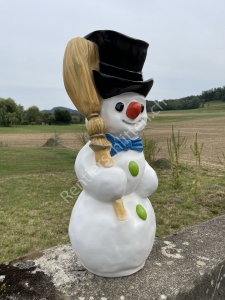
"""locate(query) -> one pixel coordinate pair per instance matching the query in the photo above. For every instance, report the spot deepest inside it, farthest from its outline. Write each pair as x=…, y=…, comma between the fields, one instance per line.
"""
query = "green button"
x=141, y=212
x=133, y=168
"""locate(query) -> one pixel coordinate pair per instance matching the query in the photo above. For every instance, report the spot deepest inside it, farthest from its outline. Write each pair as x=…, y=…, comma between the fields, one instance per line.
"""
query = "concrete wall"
x=187, y=266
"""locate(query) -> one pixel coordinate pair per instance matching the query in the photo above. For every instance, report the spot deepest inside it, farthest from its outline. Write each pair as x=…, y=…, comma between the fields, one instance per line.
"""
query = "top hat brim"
x=110, y=86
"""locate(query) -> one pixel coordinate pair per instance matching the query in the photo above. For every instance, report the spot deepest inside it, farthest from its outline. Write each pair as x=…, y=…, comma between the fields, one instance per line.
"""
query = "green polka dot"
x=133, y=168
x=141, y=212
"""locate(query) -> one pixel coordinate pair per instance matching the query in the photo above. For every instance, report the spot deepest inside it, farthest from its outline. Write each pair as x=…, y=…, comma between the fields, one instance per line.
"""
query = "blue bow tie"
x=119, y=145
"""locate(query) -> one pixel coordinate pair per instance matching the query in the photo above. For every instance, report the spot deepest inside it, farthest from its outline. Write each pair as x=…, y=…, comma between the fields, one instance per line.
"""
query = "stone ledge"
x=187, y=266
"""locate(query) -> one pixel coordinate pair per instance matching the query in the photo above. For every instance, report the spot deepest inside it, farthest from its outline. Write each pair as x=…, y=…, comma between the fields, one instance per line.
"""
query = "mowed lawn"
x=33, y=215
x=26, y=129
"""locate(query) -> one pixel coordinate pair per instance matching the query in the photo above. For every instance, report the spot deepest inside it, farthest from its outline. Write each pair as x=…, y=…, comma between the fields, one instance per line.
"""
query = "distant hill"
x=71, y=111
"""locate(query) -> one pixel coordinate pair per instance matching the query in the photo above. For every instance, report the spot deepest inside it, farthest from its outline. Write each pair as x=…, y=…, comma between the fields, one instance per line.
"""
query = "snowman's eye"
x=119, y=106
x=142, y=108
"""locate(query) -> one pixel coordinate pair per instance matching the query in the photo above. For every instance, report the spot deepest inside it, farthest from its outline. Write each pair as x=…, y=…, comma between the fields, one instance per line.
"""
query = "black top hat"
x=121, y=62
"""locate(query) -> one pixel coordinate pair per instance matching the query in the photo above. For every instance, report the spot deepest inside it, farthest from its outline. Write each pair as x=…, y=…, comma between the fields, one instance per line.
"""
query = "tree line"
x=190, y=102
x=14, y=114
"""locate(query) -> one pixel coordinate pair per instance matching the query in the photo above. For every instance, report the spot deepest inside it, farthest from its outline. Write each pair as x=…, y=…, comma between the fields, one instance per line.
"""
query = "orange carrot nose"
x=133, y=110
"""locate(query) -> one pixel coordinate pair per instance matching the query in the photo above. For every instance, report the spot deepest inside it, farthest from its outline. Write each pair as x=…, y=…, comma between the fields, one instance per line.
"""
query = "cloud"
x=186, y=53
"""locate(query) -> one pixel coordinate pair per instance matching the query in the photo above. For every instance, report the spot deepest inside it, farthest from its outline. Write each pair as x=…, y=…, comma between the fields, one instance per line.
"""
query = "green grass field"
x=215, y=110
x=210, y=107
x=42, y=128
x=163, y=118
x=177, y=209
x=33, y=215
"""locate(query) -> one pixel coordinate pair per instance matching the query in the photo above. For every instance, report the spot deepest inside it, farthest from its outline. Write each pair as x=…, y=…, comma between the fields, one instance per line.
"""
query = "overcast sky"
x=185, y=57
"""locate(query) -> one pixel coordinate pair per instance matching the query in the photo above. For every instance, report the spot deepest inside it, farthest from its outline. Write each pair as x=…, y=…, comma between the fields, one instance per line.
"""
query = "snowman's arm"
x=104, y=184
x=148, y=183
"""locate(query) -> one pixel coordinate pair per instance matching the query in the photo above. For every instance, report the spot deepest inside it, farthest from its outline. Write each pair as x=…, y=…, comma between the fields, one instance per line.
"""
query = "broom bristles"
x=80, y=59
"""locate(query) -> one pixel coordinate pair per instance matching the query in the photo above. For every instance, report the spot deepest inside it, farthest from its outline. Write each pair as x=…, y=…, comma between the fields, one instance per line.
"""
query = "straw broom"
x=80, y=58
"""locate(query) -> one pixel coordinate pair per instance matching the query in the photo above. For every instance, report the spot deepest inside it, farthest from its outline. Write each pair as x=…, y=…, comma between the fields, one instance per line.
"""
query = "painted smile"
x=128, y=122
x=139, y=121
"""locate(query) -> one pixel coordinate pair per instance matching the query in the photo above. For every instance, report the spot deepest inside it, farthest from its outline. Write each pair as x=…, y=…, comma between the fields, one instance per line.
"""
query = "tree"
x=62, y=116
x=48, y=118
x=10, y=112
x=190, y=102
x=195, y=102
x=33, y=114
x=82, y=120
x=20, y=113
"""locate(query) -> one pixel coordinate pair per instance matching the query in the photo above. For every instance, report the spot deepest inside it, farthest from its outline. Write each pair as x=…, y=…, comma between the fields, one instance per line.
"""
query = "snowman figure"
x=112, y=225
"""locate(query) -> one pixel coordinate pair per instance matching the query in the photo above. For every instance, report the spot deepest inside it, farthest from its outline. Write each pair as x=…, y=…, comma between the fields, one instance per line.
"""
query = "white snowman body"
x=105, y=245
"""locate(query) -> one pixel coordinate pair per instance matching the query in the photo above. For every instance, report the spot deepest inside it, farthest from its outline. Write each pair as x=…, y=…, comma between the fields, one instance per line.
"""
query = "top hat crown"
x=121, y=62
